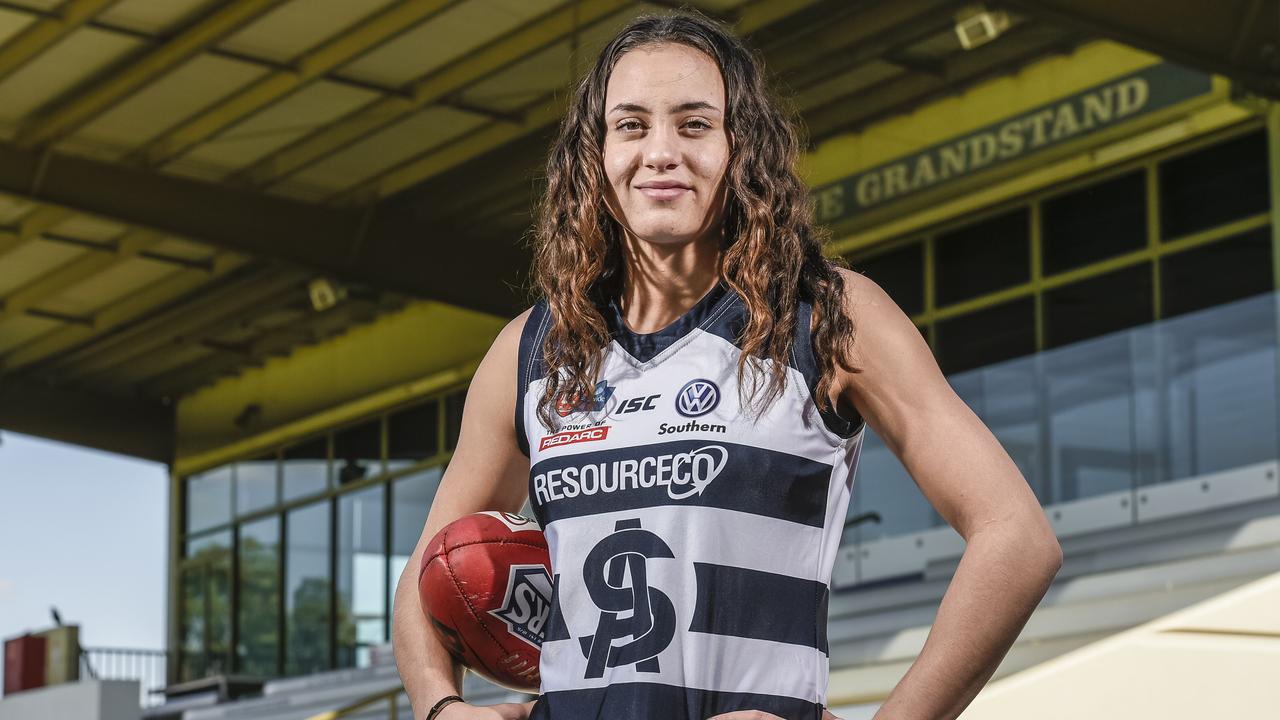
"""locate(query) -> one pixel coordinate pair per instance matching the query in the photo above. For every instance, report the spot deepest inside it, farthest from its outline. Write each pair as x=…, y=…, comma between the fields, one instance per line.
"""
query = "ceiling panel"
x=109, y=285
x=86, y=227
x=446, y=37
x=31, y=260
x=125, y=374
x=78, y=57
x=721, y=6
x=13, y=22
x=941, y=45
x=155, y=17
x=290, y=30
x=417, y=133
x=549, y=70
x=177, y=247
x=44, y=5
x=279, y=124
x=18, y=330
x=11, y=209
x=197, y=84
x=845, y=83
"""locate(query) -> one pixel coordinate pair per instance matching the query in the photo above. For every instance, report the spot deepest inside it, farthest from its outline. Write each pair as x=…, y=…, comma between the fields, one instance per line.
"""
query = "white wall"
x=90, y=700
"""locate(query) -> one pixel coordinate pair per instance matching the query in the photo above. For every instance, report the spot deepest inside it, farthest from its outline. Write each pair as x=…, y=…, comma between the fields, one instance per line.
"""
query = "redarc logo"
x=697, y=398
x=567, y=405
x=570, y=437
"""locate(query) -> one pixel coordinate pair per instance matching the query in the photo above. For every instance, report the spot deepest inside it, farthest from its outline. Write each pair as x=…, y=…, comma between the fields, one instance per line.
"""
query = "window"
x=205, y=613
x=307, y=589
x=411, y=496
x=1225, y=270
x=306, y=469
x=362, y=575
x=1225, y=182
x=209, y=499
x=357, y=452
x=257, y=648
x=256, y=484
x=1095, y=223
x=901, y=273
x=413, y=435
x=984, y=257
x=1098, y=305
x=986, y=336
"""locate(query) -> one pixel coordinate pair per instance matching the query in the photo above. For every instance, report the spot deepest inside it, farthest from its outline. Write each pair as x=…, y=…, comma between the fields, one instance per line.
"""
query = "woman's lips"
x=664, y=193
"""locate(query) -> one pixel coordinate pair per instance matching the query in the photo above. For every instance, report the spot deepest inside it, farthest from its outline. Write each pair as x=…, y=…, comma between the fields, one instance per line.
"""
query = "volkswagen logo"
x=697, y=398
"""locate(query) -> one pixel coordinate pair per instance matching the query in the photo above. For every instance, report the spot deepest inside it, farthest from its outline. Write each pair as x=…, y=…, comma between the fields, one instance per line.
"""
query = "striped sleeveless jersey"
x=691, y=541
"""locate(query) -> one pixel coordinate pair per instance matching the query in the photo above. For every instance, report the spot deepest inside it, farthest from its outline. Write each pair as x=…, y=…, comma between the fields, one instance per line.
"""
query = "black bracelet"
x=444, y=701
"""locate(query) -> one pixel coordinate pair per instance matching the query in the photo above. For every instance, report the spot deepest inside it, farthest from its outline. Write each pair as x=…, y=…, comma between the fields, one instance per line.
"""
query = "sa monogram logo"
x=528, y=603
x=697, y=398
x=652, y=619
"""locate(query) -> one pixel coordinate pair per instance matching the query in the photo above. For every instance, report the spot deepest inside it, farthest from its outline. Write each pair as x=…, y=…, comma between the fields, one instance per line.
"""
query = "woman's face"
x=666, y=147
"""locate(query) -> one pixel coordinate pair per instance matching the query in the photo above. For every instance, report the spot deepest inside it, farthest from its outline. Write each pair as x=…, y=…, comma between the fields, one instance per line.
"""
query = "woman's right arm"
x=488, y=471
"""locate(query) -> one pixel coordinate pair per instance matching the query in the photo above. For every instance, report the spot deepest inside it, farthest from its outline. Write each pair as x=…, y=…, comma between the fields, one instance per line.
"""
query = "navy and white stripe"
x=692, y=543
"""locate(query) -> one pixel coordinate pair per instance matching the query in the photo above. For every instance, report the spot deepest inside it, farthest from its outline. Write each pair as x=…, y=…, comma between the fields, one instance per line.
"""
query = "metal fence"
x=149, y=667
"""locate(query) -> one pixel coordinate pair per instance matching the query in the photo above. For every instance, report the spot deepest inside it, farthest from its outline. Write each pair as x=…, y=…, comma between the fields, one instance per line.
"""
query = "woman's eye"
x=698, y=125
x=630, y=125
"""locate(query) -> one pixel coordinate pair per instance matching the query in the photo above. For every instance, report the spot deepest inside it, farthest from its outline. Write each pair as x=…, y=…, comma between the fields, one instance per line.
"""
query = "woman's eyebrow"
x=682, y=107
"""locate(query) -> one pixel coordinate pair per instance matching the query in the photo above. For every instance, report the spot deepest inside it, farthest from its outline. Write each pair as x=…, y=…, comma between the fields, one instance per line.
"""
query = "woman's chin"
x=668, y=236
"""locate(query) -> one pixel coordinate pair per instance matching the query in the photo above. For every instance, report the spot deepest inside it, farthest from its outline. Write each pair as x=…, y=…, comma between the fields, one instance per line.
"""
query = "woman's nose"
x=660, y=151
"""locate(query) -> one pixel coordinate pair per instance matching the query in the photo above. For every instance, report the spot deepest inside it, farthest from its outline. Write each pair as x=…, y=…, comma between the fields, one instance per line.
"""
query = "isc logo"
x=638, y=404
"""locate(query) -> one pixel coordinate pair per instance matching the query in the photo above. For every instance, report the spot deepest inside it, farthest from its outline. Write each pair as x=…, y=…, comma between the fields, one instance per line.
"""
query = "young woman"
x=684, y=407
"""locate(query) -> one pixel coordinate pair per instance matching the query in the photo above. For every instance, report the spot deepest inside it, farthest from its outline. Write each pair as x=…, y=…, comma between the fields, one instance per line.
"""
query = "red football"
x=485, y=586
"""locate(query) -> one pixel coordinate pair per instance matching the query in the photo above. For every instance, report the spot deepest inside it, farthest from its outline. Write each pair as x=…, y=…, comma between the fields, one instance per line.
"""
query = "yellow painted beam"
x=338, y=51
x=31, y=226
x=164, y=291
x=537, y=115
x=57, y=280
x=84, y=107
x=472, y=67
x=46, y=32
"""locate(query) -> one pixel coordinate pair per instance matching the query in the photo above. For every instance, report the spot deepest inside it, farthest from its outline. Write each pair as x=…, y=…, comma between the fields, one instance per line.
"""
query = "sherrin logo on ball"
x=528, y=603
x=697, y=398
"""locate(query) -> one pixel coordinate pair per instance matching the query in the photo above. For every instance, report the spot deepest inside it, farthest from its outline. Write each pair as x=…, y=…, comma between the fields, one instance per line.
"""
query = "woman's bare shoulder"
x=887, y=345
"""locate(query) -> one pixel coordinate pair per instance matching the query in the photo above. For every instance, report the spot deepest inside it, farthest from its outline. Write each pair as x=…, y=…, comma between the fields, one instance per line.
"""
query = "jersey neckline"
x=645, y=346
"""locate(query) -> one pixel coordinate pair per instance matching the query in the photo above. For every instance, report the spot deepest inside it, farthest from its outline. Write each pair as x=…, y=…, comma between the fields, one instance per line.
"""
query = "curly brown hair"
x=771, y=253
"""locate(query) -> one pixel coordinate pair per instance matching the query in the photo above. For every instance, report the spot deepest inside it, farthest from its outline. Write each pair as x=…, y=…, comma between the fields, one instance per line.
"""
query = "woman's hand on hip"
x=761, y=715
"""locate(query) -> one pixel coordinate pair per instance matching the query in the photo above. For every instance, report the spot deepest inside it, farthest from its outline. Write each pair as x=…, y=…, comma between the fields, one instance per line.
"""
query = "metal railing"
x=391, y=697
x=149, y=667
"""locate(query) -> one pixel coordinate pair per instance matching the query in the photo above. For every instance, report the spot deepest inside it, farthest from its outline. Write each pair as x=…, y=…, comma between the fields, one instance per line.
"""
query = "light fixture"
x=976, y=25
x=325, y=294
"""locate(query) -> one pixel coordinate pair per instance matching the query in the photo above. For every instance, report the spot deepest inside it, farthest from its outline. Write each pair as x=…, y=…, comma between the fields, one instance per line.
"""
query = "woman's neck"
x=663, y=281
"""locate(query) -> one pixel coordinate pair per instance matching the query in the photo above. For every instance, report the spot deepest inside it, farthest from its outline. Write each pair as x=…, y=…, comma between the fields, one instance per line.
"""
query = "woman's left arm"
x=1011, y=554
